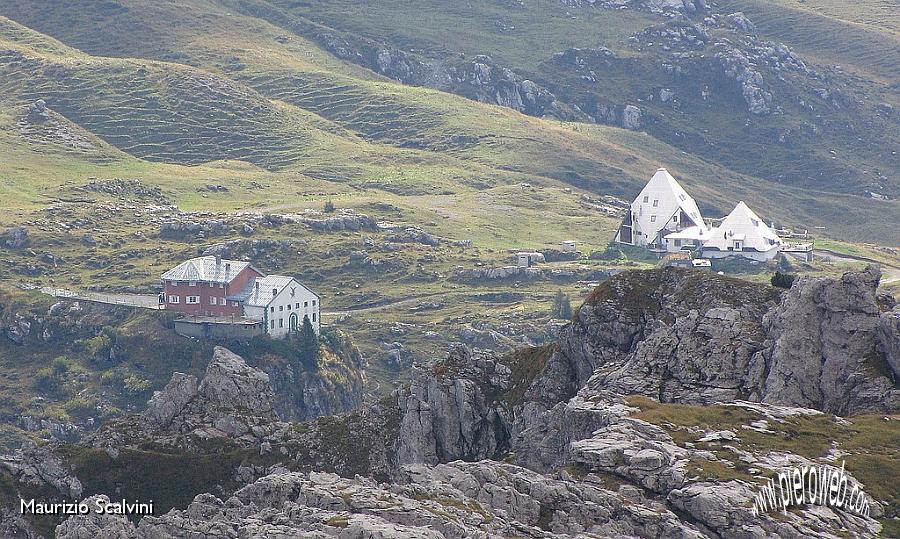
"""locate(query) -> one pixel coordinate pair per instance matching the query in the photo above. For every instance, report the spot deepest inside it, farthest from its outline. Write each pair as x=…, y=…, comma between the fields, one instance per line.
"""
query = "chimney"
x=218, y=260
x=257, y=287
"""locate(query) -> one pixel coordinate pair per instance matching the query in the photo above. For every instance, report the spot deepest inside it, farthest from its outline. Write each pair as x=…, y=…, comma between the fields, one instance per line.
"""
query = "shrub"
x=783, y=280
x=329, y=206
x=46, y=379
x=135, y=385
x=60, y=365
x=80, y=407
x=562, y=306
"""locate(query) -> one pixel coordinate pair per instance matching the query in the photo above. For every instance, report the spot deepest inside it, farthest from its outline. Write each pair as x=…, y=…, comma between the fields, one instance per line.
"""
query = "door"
x=293, y=322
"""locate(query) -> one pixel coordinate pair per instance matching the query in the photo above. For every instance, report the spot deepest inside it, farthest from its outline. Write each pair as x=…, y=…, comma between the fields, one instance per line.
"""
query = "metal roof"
x=743, y=225
x=269, y=287
x=207, y=269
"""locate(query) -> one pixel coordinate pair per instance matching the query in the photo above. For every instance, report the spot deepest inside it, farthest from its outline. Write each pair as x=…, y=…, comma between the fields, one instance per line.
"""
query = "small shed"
x=526, y=259
x=568, y=246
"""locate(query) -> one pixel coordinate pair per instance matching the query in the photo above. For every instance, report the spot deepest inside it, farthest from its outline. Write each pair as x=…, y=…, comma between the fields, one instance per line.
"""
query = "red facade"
x=198, y=297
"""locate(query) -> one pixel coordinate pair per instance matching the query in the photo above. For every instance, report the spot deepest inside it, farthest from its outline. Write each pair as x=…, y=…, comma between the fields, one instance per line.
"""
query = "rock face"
x=823, y=341
x=448, y=416
x=676, y=337
x=232, y=398
x=889, y=340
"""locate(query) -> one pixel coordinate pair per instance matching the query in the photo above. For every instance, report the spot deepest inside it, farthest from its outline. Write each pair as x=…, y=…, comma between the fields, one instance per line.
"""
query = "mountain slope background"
x=308, y=91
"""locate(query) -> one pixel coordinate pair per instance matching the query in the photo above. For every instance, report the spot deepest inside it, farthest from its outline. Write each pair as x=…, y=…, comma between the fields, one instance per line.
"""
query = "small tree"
x=562, y=306
x=309, y=343
x=329, y=206
x=783, y=280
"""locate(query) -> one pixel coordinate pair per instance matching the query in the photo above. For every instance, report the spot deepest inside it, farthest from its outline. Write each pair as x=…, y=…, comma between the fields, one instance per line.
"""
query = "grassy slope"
x=861, y=36
x=355, y=104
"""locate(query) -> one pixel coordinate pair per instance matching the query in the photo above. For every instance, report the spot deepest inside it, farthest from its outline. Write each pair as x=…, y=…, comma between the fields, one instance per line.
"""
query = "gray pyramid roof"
x=206, y=269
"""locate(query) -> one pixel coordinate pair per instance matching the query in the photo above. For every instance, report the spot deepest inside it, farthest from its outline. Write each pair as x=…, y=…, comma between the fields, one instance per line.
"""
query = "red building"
x=205, y=285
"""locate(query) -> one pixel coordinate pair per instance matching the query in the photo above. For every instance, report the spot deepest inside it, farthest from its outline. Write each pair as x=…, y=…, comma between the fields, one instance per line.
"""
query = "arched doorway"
x=293, y=322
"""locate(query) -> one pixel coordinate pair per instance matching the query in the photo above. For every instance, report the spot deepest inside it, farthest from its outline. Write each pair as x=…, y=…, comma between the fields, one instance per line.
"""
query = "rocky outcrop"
x=15, y=237
x=447, y=413
x=888, y=333
x=353, y=222
x=637, y=450
x=823, y=347
x=233, y=400
x=40, y=466
x=458, y=500
x=677, y=336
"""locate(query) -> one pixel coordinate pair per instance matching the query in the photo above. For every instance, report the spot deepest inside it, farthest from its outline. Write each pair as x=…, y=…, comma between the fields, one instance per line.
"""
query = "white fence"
x=129, y=300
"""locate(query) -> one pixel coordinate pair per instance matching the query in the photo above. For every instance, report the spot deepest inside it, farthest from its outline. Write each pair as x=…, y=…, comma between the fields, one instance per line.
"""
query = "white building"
x=663, y=207
x=526, y=259
x=744, y=234
x=281, y=303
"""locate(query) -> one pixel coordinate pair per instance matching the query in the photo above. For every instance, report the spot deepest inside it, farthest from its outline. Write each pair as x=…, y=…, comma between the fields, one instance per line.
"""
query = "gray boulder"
x=15, y=237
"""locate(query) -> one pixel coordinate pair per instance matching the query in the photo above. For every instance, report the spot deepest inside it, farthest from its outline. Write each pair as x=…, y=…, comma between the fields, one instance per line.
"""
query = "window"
x=655, y=202
x=274, y=292
x=289, y=306
x=193, y=300
x=306, y=304
x=273, y=324
x=646, y=199
x=272, y=309
x=213, y=300
x=314, y=317
x=675, y=218
x=173, y=299
x=314, y=303
x=297, y=306
x=677, y=243
x=281, y=307
x=192, y=283
x=281, y=322
x=652, y=218
x=755, y=222
x=682, y=197
x=738, y=246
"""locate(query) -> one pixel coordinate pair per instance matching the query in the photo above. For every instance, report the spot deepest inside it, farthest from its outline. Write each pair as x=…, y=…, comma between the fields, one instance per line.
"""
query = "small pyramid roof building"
x=744, y=233
x=661, y=208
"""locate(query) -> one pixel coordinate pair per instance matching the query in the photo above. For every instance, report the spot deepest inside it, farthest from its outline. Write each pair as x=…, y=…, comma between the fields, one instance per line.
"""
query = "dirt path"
x=889, y=274
x=404, y=300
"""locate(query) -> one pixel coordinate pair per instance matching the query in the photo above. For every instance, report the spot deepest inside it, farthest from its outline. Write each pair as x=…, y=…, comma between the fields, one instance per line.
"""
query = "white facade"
x=661, y=208
x=689, y=238
x=282, y=303
x=743, y=234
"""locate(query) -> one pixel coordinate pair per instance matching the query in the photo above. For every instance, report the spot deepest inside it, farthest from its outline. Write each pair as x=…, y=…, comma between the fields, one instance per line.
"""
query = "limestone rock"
x=824, y=347
x=95, y=525
x=166, y=404
x=231, y=384
x=631, y=117
x=15, y=237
